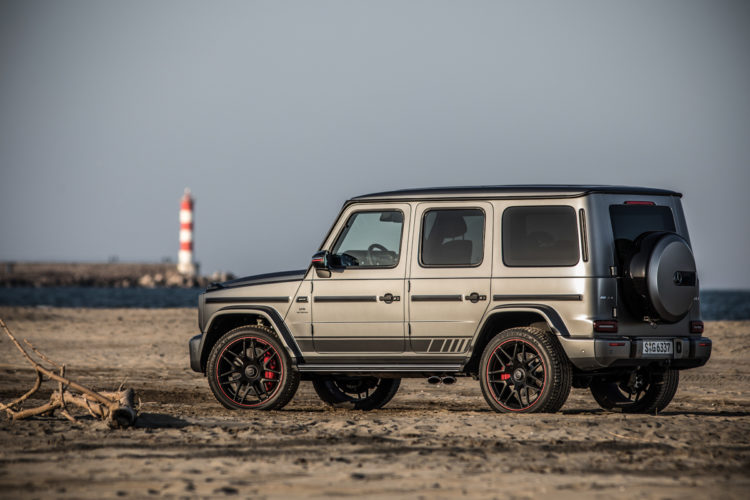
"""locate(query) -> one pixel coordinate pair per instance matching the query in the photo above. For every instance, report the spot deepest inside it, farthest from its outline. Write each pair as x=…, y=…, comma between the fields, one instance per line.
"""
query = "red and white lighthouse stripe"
x=185, y=262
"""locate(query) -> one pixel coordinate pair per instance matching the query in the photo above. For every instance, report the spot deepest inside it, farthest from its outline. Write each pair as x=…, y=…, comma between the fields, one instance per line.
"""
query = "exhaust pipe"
x=436, y=379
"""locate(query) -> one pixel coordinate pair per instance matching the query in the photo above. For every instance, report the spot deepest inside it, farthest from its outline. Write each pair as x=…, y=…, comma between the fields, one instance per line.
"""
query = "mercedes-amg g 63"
x=528, y=289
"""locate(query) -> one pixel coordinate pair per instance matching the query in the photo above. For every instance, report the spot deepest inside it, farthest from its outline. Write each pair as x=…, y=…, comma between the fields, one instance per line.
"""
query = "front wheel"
x=249, y=369
x=640, y=391
x=360, y=393
x=524, y=370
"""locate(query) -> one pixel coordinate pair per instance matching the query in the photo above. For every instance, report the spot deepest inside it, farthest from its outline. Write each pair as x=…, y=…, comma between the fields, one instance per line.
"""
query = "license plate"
x=657, y=347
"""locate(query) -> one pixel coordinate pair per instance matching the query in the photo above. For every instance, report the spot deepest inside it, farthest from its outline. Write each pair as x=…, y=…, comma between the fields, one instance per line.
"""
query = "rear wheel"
x=360, y=393
x=248, y=368
x=640, y=391
x=524, y=370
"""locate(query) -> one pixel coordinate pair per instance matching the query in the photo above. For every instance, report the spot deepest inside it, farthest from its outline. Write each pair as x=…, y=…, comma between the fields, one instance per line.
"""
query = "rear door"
x=449, y=275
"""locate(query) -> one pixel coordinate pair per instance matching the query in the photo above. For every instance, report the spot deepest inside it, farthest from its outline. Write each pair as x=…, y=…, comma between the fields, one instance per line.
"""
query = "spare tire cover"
x=664, y=274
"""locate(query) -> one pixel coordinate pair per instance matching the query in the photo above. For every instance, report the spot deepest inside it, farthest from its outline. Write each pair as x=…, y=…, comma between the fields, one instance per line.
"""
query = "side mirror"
x=320, y=259
x=321, y=264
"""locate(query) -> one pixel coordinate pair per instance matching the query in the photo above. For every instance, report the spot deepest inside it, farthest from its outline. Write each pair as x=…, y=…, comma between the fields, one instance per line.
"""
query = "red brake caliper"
x=504, y=376
x=269, y=375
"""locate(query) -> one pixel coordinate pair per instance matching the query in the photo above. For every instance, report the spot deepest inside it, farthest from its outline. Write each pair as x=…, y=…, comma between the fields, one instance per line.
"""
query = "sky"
x=275, y=113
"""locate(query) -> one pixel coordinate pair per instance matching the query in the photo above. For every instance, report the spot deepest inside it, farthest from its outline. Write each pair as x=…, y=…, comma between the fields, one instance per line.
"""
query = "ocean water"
x=64, y=296
x=715, y=304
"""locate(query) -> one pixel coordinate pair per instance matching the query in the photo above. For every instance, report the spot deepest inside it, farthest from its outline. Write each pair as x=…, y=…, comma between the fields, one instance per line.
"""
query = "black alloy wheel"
x=359, y=393
x=640, y=391
x=524, y=370
x=249, y=369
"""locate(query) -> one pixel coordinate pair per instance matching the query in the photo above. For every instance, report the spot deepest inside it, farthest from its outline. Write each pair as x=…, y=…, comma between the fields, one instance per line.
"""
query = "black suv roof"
x=514, y=191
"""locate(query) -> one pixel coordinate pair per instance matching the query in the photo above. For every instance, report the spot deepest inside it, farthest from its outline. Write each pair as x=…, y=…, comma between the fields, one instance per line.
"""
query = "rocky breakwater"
x=113, y=275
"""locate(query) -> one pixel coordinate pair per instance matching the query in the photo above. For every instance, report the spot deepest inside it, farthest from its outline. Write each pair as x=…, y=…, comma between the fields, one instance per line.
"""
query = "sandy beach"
x=429, y=442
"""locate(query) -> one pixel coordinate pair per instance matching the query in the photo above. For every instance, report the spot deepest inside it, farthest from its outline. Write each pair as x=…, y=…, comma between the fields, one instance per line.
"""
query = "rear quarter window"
x=545, y=236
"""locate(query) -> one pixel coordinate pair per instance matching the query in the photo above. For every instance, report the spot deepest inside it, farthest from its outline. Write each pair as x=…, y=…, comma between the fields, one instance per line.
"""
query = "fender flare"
x=274, y=319
x=551, y=316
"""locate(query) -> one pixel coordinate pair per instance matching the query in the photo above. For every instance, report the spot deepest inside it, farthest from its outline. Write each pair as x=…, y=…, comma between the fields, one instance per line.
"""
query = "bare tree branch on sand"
x=115, y=408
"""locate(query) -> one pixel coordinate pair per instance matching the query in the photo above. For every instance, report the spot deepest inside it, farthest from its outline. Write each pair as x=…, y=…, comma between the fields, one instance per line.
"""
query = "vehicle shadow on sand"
x=668, y=413
x=159, y=421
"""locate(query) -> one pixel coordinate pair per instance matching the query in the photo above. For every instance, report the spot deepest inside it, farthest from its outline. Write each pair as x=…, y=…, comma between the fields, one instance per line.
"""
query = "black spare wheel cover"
x=660, y=278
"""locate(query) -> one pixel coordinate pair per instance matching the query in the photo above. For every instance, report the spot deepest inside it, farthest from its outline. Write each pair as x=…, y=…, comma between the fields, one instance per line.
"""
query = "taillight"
x=696, y=327
x=640, y=203
x=605, y=326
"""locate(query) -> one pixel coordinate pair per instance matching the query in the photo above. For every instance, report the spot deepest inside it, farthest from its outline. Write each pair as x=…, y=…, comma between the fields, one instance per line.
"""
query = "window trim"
x=421, y=238
x=577, y=238
x=372, y=211
x=584, y=236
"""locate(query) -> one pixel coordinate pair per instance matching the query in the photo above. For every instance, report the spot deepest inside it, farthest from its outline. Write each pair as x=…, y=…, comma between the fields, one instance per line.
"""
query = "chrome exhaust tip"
x=449, y=380
x=434, y=380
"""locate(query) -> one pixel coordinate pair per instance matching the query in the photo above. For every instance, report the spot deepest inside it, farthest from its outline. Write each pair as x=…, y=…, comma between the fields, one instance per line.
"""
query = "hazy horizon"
x=275, y=113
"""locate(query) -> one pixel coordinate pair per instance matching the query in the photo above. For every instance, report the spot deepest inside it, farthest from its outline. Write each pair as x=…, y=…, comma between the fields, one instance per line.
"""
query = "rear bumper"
x=610, y=352
x=194, y=346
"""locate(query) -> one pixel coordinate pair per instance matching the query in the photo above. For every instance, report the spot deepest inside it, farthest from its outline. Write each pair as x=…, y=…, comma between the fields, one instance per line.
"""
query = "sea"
x=715, y=304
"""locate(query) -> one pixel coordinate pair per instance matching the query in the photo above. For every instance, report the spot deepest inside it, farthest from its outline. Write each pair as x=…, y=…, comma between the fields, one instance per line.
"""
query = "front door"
x=360, y=308
x=449, y=275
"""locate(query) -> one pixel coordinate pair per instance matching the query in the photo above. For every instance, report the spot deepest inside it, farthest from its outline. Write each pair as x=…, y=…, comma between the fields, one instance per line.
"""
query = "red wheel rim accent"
x=255, y=372
x=516, y=373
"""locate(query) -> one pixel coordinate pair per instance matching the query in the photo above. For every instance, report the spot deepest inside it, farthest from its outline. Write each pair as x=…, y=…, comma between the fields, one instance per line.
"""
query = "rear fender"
x=508, y=316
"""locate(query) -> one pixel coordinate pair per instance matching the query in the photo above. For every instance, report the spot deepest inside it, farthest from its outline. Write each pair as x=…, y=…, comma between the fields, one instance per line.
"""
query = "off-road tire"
x=330, y=391
x=224, y=358
x=661, y=388
x=525, y=361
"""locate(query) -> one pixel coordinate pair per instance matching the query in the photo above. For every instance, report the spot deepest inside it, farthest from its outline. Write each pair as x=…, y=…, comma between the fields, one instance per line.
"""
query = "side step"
x=354, y=368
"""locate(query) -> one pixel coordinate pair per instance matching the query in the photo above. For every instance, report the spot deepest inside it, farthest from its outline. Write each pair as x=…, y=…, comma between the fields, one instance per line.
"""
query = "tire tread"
x=560, y=371
x=293, y=378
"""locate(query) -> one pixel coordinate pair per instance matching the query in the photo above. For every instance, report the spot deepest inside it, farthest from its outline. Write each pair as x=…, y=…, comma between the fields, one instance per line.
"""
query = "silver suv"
x=528, y=289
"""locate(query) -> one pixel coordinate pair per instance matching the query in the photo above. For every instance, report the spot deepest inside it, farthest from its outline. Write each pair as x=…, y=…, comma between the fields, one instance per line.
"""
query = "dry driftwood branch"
x=116, y=408
x=26, y=396
x=42, y=356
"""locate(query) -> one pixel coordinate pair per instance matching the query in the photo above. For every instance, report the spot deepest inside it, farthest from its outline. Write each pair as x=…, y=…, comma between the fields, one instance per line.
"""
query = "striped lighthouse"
x=185, y=263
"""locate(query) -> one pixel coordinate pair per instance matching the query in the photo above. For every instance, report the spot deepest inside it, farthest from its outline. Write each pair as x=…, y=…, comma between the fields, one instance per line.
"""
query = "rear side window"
x=630, y=221
x=452, y=238
x=540, y=236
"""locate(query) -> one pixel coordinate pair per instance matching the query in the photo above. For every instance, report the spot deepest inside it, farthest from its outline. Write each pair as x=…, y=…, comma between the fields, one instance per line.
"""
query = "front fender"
x=268, y=313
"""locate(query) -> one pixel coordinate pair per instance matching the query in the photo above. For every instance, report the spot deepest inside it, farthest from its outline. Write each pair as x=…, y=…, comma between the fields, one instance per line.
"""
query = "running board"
x=379, y=368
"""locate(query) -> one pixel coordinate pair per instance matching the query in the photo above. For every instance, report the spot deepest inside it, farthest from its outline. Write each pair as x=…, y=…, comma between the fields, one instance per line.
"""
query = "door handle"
x=389, y=297
x=474, y=297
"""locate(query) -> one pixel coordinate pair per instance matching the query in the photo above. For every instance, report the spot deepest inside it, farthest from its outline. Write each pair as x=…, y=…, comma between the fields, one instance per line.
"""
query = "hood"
x=260, y=279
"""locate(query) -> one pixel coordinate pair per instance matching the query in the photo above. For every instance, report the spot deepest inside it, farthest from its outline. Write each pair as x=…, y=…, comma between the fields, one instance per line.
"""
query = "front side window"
x=540, y=236
x=369, y=239
x=452, y=238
